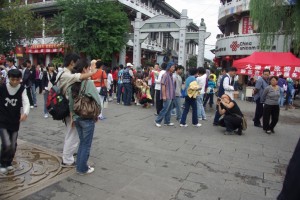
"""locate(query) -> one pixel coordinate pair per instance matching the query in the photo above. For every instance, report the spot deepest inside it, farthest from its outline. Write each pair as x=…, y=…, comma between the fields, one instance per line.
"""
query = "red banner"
x=247, y=25
x=286, y=71
x=44, y=50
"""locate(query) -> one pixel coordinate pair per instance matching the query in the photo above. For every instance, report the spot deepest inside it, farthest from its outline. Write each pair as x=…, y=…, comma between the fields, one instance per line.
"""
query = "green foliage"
x=96, y=28
x=275, y=17
x=16, y=24
x=192, y=61
x=58, y=59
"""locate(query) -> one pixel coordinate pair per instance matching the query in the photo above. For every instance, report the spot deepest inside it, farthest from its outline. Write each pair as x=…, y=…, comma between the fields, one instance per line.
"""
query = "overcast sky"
x=197, y=9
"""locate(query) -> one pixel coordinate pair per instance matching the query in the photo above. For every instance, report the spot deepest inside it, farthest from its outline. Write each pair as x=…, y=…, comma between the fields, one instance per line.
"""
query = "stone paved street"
x=134, y=160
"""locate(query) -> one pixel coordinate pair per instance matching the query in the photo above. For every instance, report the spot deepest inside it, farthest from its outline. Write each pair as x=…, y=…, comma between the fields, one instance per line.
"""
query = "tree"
x=96, y=28
x=277, y=17
x=17, y=24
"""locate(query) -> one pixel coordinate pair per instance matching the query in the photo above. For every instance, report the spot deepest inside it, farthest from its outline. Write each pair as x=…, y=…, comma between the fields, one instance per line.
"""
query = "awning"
x=279, y=63
x=44, y=50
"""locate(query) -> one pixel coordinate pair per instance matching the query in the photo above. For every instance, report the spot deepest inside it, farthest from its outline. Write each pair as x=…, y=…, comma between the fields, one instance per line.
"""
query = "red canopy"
x=279, y=63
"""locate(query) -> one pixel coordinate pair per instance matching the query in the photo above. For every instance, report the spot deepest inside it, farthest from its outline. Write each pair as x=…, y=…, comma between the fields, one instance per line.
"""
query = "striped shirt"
x=167, y=80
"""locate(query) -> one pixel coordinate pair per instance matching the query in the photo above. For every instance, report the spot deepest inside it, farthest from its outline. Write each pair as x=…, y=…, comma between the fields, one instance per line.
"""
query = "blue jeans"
x=200, y=108
x=119, y=93
x=209, y=97
x=189, y=102
x=85, y=129
x=127, y=93
x=8, y=146
x=45, y=101
x=165, y=113
x=281, y=98
x=217, y=116
x=177, y=103
x=33, y=93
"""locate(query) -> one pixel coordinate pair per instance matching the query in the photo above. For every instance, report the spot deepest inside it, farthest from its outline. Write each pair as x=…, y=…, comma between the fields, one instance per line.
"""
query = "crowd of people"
x=165, y=87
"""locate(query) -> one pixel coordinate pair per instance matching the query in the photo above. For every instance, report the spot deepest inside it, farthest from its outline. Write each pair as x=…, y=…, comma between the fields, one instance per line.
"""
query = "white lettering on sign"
x=256, y=73
x=286, y=74
x=287, y=69
x=268, y=67
x=272, y=73
x=243, y=71
x=277, y=68
x=248, y=66
x=250, y=71
x=294, y=75
x=257, y=67
x=297, y=69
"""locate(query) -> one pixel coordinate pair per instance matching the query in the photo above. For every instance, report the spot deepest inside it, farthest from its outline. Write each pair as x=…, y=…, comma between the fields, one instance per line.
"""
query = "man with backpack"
x=66, y=79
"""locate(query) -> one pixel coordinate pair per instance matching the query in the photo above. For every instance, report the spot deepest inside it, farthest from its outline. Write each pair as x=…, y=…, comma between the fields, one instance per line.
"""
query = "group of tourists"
x=163, y=86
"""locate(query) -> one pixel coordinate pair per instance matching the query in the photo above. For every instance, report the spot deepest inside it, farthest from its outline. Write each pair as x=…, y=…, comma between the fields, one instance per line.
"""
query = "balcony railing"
x=235, y=6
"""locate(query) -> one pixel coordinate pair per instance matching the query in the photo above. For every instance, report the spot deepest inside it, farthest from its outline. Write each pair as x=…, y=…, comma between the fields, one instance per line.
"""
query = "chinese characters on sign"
x=247, y=25
x=286, y=71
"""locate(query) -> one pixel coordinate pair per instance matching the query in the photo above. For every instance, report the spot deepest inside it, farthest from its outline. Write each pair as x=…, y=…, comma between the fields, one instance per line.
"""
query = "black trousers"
x=159, y=102
x=8, y=147
x=258, y=112
x=230, y=122
x=29, y=94
x=270, y=111
x=152, y=92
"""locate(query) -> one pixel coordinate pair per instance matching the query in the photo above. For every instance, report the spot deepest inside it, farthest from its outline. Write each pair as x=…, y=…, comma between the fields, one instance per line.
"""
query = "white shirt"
x=109, y=80
x=158, y=80
x=201, y=80
x=227, y=87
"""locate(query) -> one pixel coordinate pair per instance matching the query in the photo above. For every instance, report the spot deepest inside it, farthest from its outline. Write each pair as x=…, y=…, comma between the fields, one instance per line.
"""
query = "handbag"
x=103, y=90
x=244, y=121
x=84, y=106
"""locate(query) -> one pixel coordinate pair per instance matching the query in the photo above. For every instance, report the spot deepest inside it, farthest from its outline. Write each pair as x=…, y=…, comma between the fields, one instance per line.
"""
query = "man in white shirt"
x=201, y=80
x=228, y=83
x=159, y=102
x=10, y=63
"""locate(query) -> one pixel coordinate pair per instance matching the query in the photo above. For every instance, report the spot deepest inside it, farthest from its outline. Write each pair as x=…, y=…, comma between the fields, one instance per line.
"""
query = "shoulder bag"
x=84, y=106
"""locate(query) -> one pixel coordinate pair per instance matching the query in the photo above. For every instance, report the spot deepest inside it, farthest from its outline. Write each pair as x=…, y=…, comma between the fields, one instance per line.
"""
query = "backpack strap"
x=58, y=78
x=82, y=91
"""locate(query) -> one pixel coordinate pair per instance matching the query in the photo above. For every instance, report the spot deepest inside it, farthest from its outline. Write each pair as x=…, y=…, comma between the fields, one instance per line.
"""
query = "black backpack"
x=57, y=103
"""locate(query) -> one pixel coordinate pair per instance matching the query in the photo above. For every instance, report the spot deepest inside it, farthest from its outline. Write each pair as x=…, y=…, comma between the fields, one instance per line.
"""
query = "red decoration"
x=227, y=58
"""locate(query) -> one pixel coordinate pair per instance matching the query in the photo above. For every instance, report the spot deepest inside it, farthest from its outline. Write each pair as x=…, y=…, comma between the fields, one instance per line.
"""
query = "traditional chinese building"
x=240, y=37
x=155, y=47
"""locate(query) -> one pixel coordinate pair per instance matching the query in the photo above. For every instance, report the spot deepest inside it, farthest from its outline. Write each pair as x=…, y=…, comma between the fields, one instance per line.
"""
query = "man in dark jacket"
x=291, y=184
x=27, y=82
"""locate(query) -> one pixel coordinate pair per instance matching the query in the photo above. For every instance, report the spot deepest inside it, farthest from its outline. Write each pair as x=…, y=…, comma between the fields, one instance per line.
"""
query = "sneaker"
x=173, y=114
x=197, y=125
x=90, y=170
x=118, y=103
x=68, y=165
x=138, y=104
x=35, y=105
x=10, y=168
x=3, y=170
x=101, y=118
x=268, y=131
x=31, y=107
x=169, y=124
x=155, y=114
x=157, y=124
x=183, y=125
x=200, y=118
x=204, y=118
x=46, y=116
